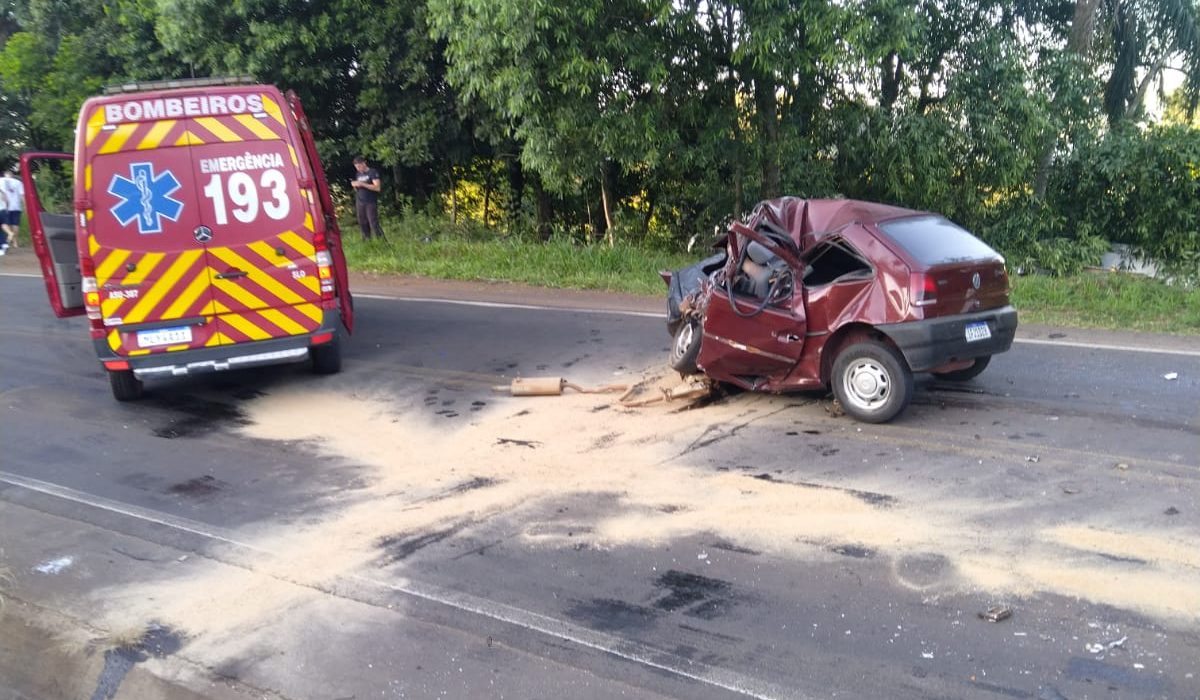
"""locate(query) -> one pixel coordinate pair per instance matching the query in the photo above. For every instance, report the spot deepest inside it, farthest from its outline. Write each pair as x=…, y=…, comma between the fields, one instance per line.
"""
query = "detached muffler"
x=553, y=386
x=692, y=388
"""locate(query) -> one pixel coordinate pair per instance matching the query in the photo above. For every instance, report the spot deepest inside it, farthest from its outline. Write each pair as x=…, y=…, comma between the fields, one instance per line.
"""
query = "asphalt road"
x=404, y=530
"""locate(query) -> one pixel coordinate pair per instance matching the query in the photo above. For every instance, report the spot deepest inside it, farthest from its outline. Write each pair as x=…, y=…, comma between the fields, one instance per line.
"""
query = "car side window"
x=835, y=260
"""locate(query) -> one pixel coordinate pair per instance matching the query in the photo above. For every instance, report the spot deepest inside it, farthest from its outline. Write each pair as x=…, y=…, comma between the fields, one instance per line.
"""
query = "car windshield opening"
x=933, y=240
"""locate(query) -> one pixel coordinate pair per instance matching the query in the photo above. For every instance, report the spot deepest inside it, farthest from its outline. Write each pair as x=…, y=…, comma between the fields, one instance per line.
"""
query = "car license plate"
x=978, y=331
x=164, y=336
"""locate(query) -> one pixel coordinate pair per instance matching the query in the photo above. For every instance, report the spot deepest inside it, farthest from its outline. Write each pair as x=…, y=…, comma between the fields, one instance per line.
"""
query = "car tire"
x=327, y=358
x=872, y=382
x=962, y=375
x=685, y=348
x=125, y=385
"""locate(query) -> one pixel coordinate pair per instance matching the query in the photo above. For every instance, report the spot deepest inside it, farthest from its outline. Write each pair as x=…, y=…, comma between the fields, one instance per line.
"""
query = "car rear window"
x=933, y=240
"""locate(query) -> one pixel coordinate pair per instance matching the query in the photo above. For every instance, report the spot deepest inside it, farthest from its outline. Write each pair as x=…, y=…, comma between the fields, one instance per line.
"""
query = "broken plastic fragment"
x=996, y=613
x=1170, y=376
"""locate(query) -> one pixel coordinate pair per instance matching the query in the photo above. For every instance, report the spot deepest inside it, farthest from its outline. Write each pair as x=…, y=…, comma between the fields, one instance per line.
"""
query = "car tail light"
x=116, y=364
x=922, y=289
x=91, y=292
x=322, y=338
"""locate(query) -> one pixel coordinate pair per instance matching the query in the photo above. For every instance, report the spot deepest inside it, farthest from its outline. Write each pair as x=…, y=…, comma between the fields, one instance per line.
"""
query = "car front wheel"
x=686, y=347
x=962, y=375
x=872, y=382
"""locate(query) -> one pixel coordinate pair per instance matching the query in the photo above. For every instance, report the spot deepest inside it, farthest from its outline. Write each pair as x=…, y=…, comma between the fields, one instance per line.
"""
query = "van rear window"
x=933, y=240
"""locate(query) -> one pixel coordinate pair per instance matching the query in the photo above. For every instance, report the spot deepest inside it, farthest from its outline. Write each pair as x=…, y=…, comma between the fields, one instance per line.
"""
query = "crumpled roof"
x=801, y=218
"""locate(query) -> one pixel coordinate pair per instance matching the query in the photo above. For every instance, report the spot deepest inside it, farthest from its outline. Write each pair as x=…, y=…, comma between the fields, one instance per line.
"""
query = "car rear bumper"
x=937, y=341
x=202, y=360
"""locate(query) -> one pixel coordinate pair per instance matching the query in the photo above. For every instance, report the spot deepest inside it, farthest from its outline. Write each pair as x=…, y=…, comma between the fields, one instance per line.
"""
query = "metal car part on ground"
x=844, y=295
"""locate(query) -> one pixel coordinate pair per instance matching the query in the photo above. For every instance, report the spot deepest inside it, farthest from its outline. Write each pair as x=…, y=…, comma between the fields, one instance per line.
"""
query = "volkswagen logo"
x=203, y=234
x=974, y=279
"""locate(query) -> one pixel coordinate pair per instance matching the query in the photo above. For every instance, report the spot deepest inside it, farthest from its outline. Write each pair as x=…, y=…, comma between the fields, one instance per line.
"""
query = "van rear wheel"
x=125, y=385
x=327, y=358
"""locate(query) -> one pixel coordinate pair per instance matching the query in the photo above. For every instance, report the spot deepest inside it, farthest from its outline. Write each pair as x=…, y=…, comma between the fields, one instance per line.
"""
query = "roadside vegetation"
x=586, y=143
x=435, y=247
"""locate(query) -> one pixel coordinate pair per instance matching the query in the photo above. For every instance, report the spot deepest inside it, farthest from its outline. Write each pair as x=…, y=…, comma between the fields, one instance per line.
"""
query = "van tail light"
x=325, y=274
x=91, y=292
x=324, y=267
x=922, y=289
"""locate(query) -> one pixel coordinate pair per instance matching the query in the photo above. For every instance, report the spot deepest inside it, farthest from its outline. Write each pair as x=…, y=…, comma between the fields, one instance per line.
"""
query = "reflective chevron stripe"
x=156, y=134
x=164, y=284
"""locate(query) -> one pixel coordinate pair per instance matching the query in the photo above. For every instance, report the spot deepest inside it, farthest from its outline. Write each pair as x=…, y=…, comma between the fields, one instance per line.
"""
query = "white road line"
x=507, y=305
x=646, y=314
x=629, y=650
x=1103, y=346
x=151, y=516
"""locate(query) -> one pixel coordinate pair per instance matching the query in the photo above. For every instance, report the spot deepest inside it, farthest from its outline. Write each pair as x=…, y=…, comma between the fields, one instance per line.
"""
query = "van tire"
x=327, y=358
x=125, y=385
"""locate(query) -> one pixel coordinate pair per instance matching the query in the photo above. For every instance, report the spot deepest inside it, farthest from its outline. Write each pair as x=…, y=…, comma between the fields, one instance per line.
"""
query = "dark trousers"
x=368, y=219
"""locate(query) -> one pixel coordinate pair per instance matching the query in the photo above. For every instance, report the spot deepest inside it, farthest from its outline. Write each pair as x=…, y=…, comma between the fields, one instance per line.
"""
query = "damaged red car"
x=845, y=295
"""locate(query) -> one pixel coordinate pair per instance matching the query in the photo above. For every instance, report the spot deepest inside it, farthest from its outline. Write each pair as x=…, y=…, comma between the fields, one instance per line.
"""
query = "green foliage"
x=1141, y=188
x=670, y=117
x=1033, y=238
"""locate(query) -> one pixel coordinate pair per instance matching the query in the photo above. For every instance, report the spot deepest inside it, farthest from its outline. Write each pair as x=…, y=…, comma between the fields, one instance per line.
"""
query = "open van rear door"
x=49, y=204
x=333, y=234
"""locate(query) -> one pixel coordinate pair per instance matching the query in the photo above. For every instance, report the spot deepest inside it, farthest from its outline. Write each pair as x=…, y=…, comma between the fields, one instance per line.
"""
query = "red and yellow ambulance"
x=201, y=236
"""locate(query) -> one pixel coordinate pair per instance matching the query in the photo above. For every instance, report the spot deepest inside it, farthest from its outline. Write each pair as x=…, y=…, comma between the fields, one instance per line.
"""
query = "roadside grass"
x=1109, y=300
x=429, y=247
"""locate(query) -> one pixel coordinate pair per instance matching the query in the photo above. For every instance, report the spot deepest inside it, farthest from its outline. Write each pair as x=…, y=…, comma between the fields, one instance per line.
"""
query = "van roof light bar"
x=144, y=85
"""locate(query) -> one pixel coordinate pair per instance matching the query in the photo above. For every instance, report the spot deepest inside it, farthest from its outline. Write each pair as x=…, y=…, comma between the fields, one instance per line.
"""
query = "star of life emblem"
x=145, y=197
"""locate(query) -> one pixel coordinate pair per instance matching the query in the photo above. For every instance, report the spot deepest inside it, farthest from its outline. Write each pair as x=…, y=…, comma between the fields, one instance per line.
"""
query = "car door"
x=324, y=208
x=49, y=197
x=746, y=341
x=152, y=271
x=257, y=225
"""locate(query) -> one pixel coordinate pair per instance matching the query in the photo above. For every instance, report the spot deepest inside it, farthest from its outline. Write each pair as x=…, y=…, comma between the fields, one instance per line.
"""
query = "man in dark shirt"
x=366, y=198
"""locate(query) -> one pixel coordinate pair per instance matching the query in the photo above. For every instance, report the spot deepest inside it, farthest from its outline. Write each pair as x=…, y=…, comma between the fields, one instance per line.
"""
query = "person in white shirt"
x=14, y=195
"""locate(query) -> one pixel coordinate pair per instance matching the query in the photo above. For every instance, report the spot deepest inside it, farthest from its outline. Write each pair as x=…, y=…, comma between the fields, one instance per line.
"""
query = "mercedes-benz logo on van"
x=974, y=279
x=203, y=234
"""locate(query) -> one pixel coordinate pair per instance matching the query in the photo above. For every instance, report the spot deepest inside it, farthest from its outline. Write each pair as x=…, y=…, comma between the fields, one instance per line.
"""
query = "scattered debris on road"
x=531, y=444
x=54, y=566
x=553, y=386
x=1171, y=376
x=635, y=396
x=996, y=613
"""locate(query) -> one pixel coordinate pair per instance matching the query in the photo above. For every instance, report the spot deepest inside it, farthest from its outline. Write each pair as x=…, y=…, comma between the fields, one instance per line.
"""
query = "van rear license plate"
x=978, y=331
x=183, y=334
